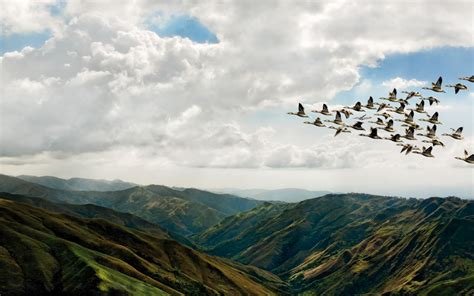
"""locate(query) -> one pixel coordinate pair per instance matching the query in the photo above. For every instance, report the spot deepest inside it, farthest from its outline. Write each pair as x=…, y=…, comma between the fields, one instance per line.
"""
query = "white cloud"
x=402, y=83
x=127, y=89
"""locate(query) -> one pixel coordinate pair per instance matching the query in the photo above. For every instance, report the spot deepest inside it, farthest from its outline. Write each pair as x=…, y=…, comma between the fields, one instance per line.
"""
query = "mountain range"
x=78, y=184
x=284, y=194
x=183, y=212
x=153, y=240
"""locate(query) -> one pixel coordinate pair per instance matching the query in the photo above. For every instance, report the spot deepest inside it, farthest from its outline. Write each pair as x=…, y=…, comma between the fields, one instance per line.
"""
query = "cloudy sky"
x=196, y=93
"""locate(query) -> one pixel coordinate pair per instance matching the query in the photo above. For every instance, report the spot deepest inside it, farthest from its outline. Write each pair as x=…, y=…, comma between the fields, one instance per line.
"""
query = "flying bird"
x=457, y=134
x=324, y=111
x=372, y=135
x=434, y=142
x=363, y=117
x=470, y=79
x=467, y=158
x=411, y=94
x=388, y=127
x=357, y=107
x=420, y=107
x=378, y=122
x=430, y=132
x=395, y=138
x=408, y=118
x=317, y=122
x=431, y=100
x=407, y=148
x=433, y=119
x=300, y=112
x=399, y=110
x=426, y=152
x=436, y=87
x=409, y=134
x=370, y=103
x=358, y=126
x=340, y=129
x=392, y=96
x=457, y=87
x=337, y=120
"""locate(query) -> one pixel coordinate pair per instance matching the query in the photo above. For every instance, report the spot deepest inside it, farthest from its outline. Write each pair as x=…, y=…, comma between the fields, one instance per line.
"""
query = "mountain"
x=350, y=244
x=78, y=184
x=285, y=194
x=183, y=212
x=46, y=253
x=93, y=211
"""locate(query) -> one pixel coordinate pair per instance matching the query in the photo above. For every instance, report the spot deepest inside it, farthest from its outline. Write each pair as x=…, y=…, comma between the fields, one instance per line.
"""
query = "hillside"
x=44, y=253
x=355, y=243
x=78, y=184
x=183, y=212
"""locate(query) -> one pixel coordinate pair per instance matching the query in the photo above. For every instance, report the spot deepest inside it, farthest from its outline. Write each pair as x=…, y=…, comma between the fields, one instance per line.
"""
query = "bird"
x=358, y=126
x=457, y=87
x=411, y=94
x=426, y=152
x=317, y=122
x=370, y=103
x=357, y=107
x=388, y=127
x=392, y=96
x=433, y=119
x=407, y=148
x=413, y=125
x=420, y=107
x=430, y=132
x=384, y=115
x=341, y=129
x=363, y=117
x=457, y=134
x=324, y=111
x=434, y=142
x=409, y=134
x=337, y=120
x=408, y=118
x=378, y=122
x=431, y=100
x=346, y=112
x=383, y=106
x=395, y=138
x=436, y=87
x=300, y=112
x=372, y=135
x=399, y=110
x=466, y=158
x=470, y=79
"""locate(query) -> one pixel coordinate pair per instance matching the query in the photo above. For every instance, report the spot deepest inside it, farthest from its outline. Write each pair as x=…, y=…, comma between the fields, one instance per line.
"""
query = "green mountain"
x=46, y=253
x=78, y=184
x=183, y=212
x=355, y=244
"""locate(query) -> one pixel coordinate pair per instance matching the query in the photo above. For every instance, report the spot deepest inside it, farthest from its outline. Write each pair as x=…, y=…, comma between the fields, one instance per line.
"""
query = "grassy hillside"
x=78, y=184
x=184, y=212
x=44, y=253
x=352, y=244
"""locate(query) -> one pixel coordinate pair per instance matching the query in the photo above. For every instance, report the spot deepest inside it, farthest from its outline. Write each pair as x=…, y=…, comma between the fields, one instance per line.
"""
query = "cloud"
x=127, y=88
x=402, y=83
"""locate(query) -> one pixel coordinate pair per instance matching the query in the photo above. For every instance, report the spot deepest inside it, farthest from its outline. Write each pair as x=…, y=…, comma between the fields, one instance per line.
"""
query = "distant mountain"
x=78, y=184
x=45, y=253
x=285, y=194
x=355, y=243
x=183, y=212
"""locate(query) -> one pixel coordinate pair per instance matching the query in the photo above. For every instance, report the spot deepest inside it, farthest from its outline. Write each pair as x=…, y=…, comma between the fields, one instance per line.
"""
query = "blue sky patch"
x=19, y=41
x=185, y=26
x=426, y=65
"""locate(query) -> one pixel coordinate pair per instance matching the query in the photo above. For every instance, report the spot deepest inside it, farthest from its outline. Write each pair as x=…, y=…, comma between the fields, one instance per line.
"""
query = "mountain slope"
x=78, y=184
x=284, y=194
x=355, y=243
x=184, y=212
x=47, y=253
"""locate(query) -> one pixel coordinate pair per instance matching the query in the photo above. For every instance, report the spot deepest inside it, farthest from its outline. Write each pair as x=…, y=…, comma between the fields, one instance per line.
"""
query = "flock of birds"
x=385, y=111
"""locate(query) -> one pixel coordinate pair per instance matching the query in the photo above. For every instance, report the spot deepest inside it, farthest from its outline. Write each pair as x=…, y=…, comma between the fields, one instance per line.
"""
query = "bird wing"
x=338, y=115
x=325, y=108
x=439, y=82
x=396, y=137
x=358, y=124
x=470, y=158
x=435, y=116
x=370, y=101
x=357, y=105
x=404, y=148
x=466, y=153
x=428, y=150
x=300, y=108
x=456, y=89
x=394, y=92
x=338, y=131
x=411, y=115
x=373, y=132
x=390, y=123
x=459, y=131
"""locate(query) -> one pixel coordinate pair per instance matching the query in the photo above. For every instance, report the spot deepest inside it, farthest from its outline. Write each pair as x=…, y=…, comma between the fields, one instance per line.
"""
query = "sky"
x=195, y=93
